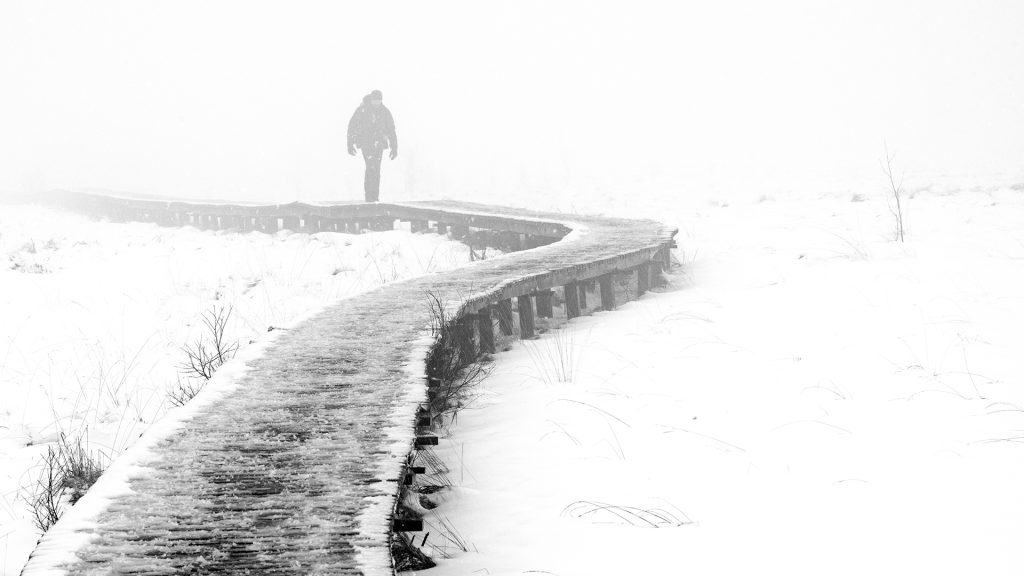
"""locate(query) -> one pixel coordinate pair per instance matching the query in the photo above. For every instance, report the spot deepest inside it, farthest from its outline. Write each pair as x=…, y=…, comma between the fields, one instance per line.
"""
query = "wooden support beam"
x=384, y=223
x=268, y=224
x=310, y=224
x=525, y=304
x=464, y=339
x=607, y=291
x=513, y=241
x=643, y=279
x=545, y=309
x=418, y=226
x=290, y=223
x=459, y=232
x=505, y=322
x=442, y=228
x=426, y=441
x=485, y=329
x=583, y=295
x=572, y=300
x=406, y=525
x=666, y=255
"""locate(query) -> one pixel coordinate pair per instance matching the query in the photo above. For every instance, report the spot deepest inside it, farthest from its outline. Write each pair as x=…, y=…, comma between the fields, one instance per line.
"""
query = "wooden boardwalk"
x=296, y=471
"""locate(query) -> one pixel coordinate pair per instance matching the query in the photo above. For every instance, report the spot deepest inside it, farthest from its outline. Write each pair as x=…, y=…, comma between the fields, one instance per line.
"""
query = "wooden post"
x=666, y=255
x=643, y=279
x=513, y=242
x=464, y=339
x=291, y=223
x=544, y=306
x=459, y=232
x=310, y=224
x=269, y=224
x=607, y=291
x=505, y=323
x=442, y=228
x=485, y=329
x=583, y=295
x=525, y=317
x=418, y=226
x=572, y=300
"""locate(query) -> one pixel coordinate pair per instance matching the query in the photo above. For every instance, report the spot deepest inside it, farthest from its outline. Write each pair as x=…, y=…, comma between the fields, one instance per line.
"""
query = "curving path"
x=296, y=470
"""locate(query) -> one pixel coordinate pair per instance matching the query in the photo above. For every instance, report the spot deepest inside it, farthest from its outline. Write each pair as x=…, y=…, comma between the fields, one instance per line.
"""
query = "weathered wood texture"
x=294, y=471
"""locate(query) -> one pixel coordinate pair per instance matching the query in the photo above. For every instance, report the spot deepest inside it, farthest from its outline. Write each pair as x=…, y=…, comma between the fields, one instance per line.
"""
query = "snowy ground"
x=93, y=317
x=806, y=397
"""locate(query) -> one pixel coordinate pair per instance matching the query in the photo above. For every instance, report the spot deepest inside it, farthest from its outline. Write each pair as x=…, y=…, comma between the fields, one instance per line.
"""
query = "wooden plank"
x=426, y=441
x=485, y=329
x=464, y=339
x=525, y=305
x=643, y=279
x=607, y=291
x=310, y=224
x=406, y=525
x=505, y=321
x=572, y=300
x=490, y=222
x=545, y=309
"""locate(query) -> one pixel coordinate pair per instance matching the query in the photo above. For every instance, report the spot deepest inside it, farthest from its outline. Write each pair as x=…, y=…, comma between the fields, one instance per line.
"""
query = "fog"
x=506, y=101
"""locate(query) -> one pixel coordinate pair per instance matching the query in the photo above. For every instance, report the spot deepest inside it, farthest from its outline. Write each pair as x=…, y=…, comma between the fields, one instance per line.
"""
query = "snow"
x=806, y=396
x=93, y=316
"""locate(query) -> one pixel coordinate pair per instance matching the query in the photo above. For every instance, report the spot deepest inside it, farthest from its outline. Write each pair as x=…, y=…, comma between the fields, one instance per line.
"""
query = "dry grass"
x=69, y=469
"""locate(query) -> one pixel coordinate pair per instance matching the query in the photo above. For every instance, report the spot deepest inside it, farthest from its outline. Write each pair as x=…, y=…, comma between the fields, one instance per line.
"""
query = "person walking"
x=372, y=130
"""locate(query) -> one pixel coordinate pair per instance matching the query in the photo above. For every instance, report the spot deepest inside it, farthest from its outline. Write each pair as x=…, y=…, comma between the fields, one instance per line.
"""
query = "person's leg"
x=371, y=183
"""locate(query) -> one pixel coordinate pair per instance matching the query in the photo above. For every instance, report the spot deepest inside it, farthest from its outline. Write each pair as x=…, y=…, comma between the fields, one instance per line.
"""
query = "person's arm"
x=392, y=136
x=353, y=127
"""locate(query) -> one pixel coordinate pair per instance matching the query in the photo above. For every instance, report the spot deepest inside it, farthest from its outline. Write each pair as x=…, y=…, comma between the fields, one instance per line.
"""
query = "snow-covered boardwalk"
x=295, y=471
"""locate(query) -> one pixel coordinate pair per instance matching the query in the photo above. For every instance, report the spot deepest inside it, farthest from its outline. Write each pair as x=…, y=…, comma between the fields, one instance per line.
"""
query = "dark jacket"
x=372, y=127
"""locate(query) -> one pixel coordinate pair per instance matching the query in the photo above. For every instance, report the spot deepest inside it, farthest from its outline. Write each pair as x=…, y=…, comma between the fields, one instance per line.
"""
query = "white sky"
x=249, y=99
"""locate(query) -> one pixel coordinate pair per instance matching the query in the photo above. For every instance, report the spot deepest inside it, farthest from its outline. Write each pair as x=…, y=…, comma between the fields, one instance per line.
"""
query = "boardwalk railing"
x=304, y=477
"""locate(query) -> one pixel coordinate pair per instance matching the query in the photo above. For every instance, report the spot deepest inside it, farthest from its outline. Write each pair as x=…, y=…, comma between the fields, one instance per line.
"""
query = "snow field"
x=806, y=397
x=93, y=316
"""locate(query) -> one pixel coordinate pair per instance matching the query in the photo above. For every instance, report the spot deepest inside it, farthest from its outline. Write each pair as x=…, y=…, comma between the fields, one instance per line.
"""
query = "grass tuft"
x=69, y=469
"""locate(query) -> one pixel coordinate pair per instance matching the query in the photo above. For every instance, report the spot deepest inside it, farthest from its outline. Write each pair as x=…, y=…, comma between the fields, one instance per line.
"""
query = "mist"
x=524, y=103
